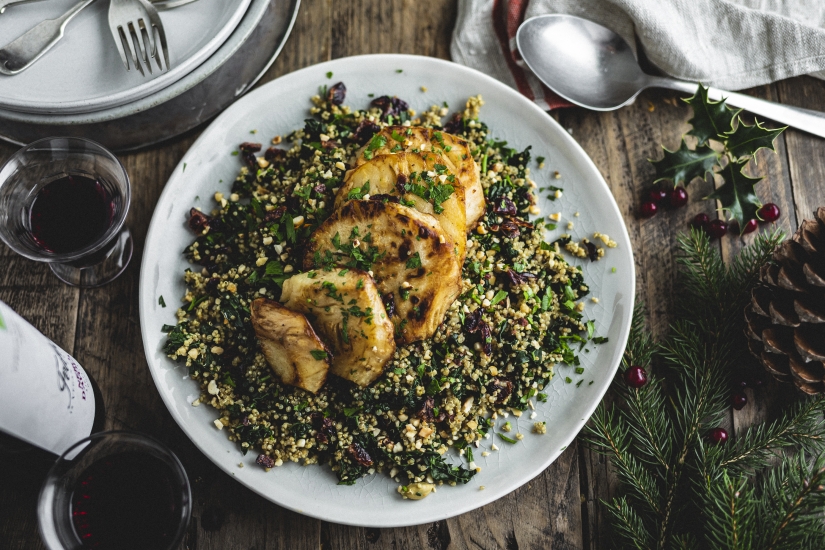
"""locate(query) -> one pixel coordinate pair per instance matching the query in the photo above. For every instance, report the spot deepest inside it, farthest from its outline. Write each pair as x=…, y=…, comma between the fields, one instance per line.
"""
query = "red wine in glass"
x=71, y=213
x=126, y=501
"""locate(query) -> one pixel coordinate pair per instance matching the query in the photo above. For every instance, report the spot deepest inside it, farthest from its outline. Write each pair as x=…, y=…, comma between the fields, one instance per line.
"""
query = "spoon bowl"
x=591, y=66
x=583, y=62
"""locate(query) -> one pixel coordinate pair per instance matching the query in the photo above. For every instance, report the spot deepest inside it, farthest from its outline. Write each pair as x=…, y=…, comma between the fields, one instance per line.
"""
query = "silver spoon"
x=593, y=67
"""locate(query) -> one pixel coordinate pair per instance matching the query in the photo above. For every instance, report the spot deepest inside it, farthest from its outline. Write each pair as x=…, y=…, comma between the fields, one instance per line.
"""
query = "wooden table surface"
x=559, y=509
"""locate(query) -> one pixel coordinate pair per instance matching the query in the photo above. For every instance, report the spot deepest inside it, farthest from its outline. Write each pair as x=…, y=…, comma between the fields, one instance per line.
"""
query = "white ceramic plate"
x=280, y=107
x=83, y=72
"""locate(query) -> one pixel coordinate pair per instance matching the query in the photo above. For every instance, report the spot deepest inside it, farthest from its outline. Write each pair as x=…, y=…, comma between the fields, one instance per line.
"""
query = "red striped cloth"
x=501, y=58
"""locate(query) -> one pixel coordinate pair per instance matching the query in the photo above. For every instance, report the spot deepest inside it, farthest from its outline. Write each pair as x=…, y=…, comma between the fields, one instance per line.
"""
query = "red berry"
x=648, y=209
x=657, y=194
x=635, y=376
x=701, y=221
x=718, y=435
x=717, y=229
x=678, y=197
x=738, y=400
x=750, y=226
x=768, y=212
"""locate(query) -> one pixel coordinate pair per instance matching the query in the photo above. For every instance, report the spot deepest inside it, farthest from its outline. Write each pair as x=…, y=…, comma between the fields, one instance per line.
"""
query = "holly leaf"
x=711, y=119
x=737, y=195
x=745, y=141
x=685, y=164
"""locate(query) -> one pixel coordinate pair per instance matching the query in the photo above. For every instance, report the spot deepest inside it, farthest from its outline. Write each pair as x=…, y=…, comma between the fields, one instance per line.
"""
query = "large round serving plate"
x=84, y=73
x=281, y=106
x=197, y=97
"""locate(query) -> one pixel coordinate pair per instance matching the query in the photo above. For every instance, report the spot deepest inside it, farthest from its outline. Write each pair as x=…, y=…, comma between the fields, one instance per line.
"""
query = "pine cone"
x=785, y=321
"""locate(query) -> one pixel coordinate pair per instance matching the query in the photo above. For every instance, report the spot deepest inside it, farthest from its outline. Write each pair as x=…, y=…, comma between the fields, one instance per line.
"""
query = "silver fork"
x=137, y=31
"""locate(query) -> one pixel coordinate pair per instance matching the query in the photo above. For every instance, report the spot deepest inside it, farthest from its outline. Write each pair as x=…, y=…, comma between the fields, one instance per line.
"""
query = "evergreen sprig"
x=765, y=488
x=739, y=142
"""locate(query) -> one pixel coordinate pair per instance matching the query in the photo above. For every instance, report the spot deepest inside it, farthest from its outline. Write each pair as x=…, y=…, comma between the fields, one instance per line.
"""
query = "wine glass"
x=63, y=200
x=115, y=489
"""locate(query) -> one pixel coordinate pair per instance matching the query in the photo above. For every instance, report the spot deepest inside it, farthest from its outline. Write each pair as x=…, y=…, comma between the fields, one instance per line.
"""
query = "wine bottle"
x=49, y=402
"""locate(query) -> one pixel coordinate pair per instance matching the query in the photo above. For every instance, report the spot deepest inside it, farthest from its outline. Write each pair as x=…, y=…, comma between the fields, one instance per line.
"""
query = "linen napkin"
x=729, y=44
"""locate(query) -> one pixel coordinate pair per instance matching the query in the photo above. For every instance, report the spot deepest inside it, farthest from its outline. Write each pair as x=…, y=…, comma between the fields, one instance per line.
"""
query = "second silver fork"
x=138, y=34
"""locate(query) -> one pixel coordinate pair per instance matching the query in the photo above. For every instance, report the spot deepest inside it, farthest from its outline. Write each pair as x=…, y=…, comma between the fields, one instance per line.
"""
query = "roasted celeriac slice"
x=414, y=264
x=419, y=180
x=290, y=345
x=345, y=308
x=456, y=153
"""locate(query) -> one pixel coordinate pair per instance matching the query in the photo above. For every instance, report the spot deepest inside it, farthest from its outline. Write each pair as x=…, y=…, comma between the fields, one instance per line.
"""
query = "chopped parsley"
x=414, y=261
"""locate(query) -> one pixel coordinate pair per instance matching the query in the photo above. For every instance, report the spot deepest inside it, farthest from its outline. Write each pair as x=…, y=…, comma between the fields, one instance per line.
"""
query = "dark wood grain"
x=559, y=509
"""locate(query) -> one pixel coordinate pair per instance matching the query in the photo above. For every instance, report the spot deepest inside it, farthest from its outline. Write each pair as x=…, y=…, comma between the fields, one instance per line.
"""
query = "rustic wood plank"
x=805, y=158
x=776, y=188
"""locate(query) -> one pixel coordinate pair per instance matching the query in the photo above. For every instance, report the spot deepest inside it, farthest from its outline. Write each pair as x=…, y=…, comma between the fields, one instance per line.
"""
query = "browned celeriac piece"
x=387, y=177
x=414, y=265
x=345, y=308
x=291, y=346
x=454, y=150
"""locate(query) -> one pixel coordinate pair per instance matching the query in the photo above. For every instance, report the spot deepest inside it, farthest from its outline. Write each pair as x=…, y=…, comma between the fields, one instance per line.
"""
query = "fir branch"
x=731, y=508
x=627, y=525
x=802, y=427
x=795, y=497
x=646, y=415
x=608, y=436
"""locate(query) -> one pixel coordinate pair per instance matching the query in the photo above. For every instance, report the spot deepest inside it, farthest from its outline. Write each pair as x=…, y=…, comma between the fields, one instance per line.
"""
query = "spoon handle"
x=806, y=120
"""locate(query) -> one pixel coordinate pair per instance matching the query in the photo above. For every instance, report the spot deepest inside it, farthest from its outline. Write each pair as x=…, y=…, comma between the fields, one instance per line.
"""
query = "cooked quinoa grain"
x=518, y=314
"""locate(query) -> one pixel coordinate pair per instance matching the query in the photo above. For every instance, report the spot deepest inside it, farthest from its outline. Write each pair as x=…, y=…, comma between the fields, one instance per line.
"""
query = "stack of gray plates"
x=70, y=94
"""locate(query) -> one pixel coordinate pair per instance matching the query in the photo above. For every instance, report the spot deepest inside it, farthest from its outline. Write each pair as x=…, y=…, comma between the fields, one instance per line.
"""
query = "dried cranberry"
x=700, y=221
x=425, y=412
x=472, y=321
x=265, y=461
x=501, y=388
x=390, y=106
x=486, y=338
x=273, y=153
x=768, y=212
x=383, y=197
x=504, y=206
x=364, y=131
x=648, y=209
x=198, y=221
x=657, y=194
x=750, y=226
x=337, y=93
x=389, y=303
x=518, y=278
x=510, y=228
x=455, y=124
x=249, y=147
x=717, y=228
x=320, y=188
x=359, y=454
x=324, y=427
x=274, y=215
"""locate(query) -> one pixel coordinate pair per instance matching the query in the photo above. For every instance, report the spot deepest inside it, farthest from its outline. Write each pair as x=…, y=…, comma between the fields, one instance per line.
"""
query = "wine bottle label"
x=46, y=398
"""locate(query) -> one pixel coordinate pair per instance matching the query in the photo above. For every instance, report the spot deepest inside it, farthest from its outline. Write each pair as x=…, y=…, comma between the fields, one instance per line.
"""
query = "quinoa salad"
x=519, y=311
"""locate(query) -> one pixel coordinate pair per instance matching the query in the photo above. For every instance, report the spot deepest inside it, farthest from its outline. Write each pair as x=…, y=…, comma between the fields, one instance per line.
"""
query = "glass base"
x=105, y=270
